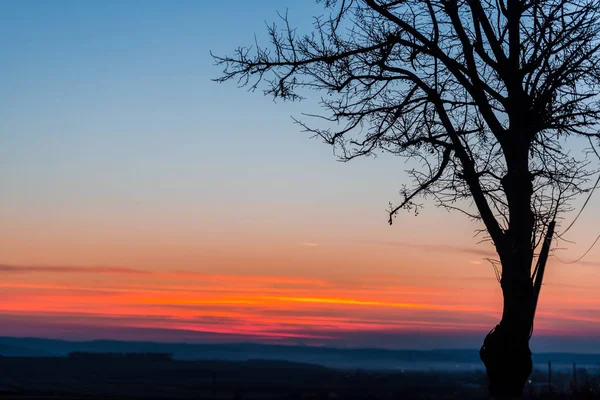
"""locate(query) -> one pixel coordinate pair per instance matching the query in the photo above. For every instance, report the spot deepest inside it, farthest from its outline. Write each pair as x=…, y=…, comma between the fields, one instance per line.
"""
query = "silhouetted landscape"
x=42, y=368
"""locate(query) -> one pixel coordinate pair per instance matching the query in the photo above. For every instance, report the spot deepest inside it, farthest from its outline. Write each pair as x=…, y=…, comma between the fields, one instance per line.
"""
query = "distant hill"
x=18, y=351
x=326, y=356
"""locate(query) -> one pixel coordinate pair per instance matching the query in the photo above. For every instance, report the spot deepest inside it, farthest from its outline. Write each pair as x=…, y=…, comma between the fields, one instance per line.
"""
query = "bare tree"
x=489, y=96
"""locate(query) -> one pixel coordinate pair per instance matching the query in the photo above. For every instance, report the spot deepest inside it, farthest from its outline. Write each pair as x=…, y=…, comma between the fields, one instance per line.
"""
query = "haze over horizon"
x=141, y=200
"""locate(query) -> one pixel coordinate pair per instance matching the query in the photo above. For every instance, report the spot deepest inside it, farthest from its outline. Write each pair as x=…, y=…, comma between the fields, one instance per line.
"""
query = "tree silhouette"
x=491, y=98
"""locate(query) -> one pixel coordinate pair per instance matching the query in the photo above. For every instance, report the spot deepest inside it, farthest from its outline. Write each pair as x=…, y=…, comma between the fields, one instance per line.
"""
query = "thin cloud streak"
x=70, y=270
x=177, y=273
x=442, y=248
x=248, y=278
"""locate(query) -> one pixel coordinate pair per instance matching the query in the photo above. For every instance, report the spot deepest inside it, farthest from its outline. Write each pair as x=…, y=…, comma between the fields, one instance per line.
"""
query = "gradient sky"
x=141, y=200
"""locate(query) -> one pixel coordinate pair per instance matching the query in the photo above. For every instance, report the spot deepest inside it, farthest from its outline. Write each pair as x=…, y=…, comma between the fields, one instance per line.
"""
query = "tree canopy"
x=461, y=86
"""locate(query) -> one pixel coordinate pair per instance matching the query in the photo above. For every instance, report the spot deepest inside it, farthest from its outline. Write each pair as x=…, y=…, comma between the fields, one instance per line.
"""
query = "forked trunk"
x=505, y=351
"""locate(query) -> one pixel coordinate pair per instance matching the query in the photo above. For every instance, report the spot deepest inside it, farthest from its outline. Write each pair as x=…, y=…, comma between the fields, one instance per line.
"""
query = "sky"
x=140, y=200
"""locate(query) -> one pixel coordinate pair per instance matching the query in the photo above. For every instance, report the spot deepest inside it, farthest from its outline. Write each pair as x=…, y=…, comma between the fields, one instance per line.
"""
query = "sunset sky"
x=140, y=200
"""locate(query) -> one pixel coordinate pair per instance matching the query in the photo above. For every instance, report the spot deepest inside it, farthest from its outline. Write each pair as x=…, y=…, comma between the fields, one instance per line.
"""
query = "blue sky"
x=123, y=91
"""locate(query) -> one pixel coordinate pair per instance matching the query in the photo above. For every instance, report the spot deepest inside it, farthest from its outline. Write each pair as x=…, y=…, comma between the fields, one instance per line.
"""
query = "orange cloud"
x=267, y=306
x=247, y=278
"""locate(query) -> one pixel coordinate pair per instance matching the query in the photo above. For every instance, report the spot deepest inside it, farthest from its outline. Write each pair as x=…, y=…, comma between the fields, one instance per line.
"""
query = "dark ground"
x=154, y=377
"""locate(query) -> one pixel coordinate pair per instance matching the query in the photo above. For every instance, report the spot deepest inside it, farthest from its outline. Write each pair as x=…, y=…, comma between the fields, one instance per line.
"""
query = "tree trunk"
x=505, y=351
